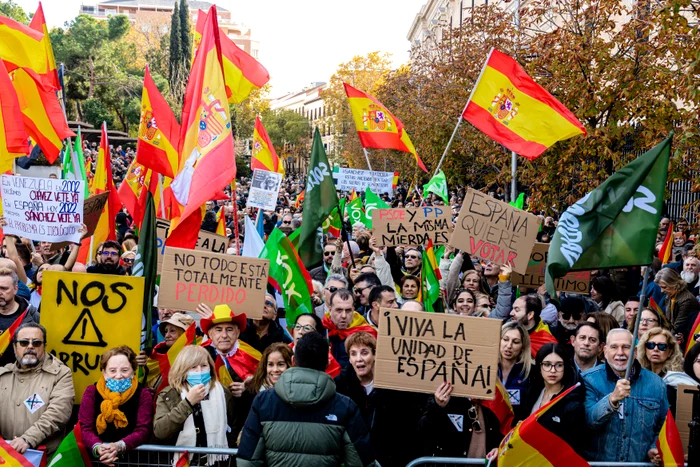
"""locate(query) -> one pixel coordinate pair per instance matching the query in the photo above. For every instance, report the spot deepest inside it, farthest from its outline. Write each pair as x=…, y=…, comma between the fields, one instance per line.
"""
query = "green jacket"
x=303, y=422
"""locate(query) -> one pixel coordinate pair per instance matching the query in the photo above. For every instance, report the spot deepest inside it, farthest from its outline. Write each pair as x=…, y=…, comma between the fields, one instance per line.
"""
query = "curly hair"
x=675, y=358
x=260, y=378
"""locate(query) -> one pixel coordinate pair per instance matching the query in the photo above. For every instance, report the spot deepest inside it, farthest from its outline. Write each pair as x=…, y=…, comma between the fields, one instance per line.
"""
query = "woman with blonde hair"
x=275, y=360
x=681, y=304
x=195, y=409
x=658, y=351
x=514, y=360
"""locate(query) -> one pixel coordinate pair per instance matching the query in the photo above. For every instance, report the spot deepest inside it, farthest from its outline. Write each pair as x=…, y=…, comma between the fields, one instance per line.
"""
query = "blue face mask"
x=118, y=385
x=198, y=377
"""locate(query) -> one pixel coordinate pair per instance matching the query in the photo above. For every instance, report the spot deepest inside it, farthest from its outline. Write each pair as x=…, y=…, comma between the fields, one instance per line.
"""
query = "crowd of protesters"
x=303, y=393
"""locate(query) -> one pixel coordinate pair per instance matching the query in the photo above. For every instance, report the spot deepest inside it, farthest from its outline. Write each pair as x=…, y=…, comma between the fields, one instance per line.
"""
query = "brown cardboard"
x=191, y=277
x=576, y=281
x=495, y=231
x=92, y=210
x=412, y=226
x=207, y=241
x=431, y=348
x=684, y=413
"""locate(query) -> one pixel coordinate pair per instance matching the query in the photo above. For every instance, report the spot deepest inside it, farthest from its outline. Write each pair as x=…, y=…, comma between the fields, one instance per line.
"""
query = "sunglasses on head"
x=25, y=342
x=652, y=345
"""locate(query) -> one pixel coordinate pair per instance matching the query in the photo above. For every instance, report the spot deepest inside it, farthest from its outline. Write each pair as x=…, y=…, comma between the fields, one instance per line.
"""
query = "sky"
x=301, y=41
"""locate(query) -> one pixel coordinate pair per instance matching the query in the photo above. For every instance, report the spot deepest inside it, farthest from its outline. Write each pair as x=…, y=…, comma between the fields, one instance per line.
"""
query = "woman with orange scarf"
x=116, y=413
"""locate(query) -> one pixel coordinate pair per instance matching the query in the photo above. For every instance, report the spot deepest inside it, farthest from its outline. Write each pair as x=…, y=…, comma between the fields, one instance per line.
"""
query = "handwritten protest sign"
x=264, y=190
x=684, y=413
x=346, y=179
x=577, y=281
x=412, y=226
x=86, y=314
x=417, y=351
x=92, y=210
x=495, y=231
x=207, y=241
x=192, y=277
x=43, y=209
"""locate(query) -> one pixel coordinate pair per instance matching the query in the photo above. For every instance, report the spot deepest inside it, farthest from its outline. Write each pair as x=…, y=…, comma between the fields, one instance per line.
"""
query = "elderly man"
x=37, y=393
x=333, y=283
x=625, y=416
x=342, y=321
x=13, y=308
x=690, y=273
x=260, y=333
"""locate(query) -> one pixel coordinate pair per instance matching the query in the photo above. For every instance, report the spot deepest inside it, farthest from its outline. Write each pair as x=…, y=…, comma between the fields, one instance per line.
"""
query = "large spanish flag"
x=515, y=111
x=540, y=336
x=159, y=132
x=22, y=47
x=13, y=137
x=207, y=159
x=529, y=444
x=669, y=443
x=50, y=79
x=106, y=227
x=264, y=155
x=242, y=73
x=376, y=126
x=132, y=192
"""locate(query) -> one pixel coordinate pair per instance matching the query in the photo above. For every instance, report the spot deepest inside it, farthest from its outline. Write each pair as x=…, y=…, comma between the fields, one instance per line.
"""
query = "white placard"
x=43, y=209
x=348, y=179
x=264, y=190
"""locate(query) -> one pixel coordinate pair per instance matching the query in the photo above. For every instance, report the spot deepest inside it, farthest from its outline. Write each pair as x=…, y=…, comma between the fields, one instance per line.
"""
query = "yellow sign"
x=87, y=314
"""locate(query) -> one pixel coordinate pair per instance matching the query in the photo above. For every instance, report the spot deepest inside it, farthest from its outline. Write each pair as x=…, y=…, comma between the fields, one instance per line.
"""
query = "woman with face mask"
x=195, y=409
x=275, y=360
x=116, y=412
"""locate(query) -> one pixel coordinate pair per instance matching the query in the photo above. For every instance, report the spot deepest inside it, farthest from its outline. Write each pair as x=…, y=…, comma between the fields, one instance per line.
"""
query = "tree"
x=185, y=39
x=95, y=113
x=11, y=9
x=175, y=50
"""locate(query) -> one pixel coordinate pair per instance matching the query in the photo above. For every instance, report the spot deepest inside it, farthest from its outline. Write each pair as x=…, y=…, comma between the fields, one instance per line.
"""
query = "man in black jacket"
x=260, y=333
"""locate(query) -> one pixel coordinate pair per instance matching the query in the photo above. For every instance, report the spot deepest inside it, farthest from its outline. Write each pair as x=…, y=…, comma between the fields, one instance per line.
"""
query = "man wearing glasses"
x=261, y=333
x=37, y=393
x=320, y=273
x=109, y=260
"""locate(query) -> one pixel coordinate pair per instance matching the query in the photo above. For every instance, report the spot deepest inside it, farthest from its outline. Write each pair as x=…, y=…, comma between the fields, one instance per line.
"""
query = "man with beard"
x=526, y=311
x=571, y=313
x=37, y=393
x=12, y=308
x=109, y=264
x=690, y=273
x=588, y=342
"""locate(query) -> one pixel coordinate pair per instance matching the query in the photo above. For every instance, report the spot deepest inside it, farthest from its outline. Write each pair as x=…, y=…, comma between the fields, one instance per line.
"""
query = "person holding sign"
x=116, y=412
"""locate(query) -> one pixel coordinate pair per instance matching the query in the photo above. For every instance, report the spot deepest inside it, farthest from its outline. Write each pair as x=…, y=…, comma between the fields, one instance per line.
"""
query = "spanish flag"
x=512, y=109
x=667, y=246
x=9, y=333
x=22, y=47
x=159, y=132
x=11, y=458
x=221, y=222
x=104, y=181
x=501, y=407
x=694, y=331
x=13, y=137
x=132, y=192
x=264, y=155
x=669, y=443
x=38, y=23
x=242, y=73
x=159, y=364
x=299, y=202
x=529, y=444
x=540, y=336
x=243, y=363
x=376, y=126
x=207, y=159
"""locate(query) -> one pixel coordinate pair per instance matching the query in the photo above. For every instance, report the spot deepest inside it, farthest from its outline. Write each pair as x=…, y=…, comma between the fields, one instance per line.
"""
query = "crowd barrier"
x=154, y=455
x=449, y=461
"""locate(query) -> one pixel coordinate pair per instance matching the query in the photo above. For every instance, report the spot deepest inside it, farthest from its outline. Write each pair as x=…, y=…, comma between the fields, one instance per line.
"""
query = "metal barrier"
x=154, y=455
x=434, y=461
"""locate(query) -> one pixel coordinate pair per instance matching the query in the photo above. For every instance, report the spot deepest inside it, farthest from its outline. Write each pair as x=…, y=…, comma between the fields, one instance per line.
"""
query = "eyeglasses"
x=649, y=320
x=128, y=260
x=654, y=345
x=34, y=342
x=110, y=253
x=566, y=315
x=328, y=253
x=548, y=366
x=412, y=257
x=332, y=289
x=473, y=414
x=359, y=290
x=286, y=222
x=305, y=328
x=269, y=303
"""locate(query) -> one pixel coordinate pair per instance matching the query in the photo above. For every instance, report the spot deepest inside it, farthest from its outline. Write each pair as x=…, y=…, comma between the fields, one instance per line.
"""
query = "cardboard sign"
x=346, y=179
x=43, y=209
x=92, y=210
x=264, y=190
x=207, y=241
x=412, y=226
x=684, y=413
x=417, y=351
x=87, y=314
x=192, y=277
x=495, y=231
x=576, y=282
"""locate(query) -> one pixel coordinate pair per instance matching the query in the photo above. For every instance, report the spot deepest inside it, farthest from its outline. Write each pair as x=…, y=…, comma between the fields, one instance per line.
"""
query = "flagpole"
x=369, y=165
x=642, y=298
x=513, y=155
x=162, y=201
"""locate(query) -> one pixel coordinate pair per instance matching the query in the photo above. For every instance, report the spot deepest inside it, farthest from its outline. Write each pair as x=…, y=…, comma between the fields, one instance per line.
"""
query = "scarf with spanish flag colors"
x=6, y=337
x=159, y=363
x=669, y=443
x=529, y=444
x=540, y=336
x=358, y=324
x=243, y=362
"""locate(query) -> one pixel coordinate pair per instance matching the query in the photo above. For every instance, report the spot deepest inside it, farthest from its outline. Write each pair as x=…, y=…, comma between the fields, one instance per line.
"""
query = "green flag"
x=616, y=224
x=319, y=201
x=146, y=265
x=333, y=223
x=519, y=201
x=74, y=163
x=437, y=185
x=288, y=275
x=373, y=202
x=72, y=451
x=356, y=213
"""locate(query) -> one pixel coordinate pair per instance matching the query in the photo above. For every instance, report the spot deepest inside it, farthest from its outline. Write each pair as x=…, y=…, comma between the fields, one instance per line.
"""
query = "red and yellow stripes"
x=264, y=155
x=13, y=137
x=667, y=246
x=540, y=336
x=104, y=181
x=38, y=23
x=22, y=47
x=501, y=407
x=376, y=126
x=9, y=333
x=11, y=458
x=432, y=261
x=669, y=443
x=512, y=109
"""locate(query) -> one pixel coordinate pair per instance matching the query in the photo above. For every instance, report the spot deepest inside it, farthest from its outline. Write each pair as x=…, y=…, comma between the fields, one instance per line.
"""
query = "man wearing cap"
x=234, y=360
x=158, y=364
x=260, y=333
